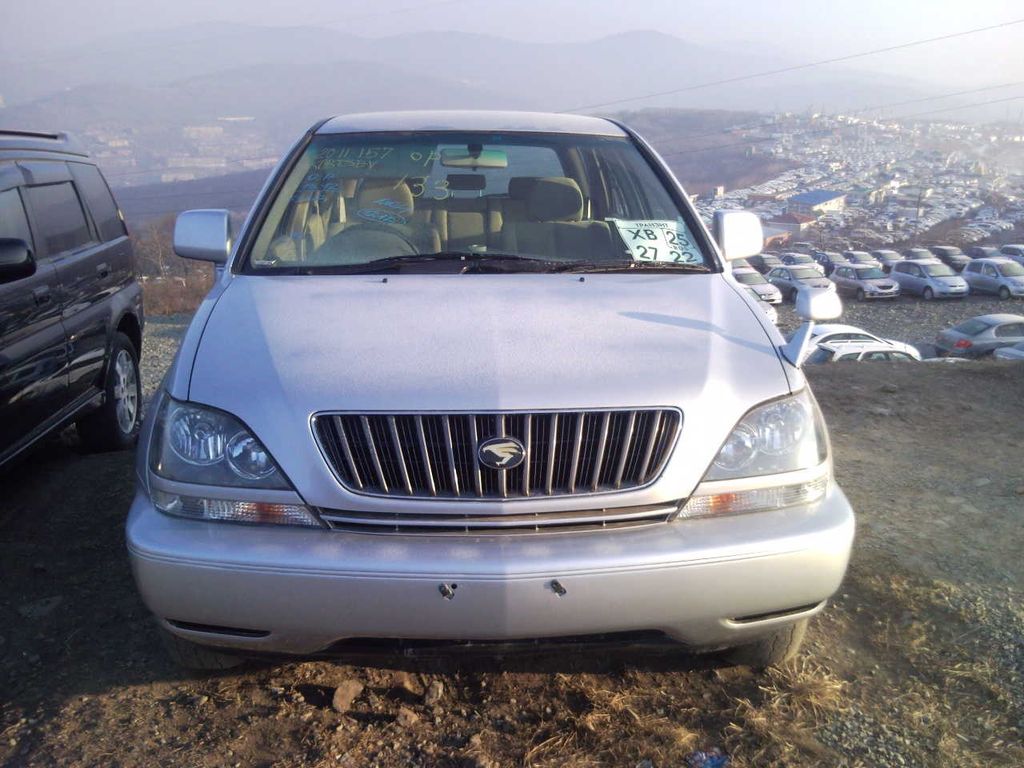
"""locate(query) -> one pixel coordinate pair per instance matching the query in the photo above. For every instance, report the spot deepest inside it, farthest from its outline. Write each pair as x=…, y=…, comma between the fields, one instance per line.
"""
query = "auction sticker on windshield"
x=658, y=240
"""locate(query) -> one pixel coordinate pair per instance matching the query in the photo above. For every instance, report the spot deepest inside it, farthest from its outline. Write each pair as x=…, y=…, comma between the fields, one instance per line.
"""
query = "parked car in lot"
x=981, y=335
x=887, y=258
x=70, y=308
x=951, y=256
x=828, y=260
x=918, y=253
x=929, y=278
x=802, y=246
x=770, y=312
x=838, y=333
x=1000, y=276
x=471, y=405
x=1014, y=252
x=862, y=351
x=982, y=252
x=861, y=258
x=764, y=262
x=791, y=259
x=1016, y=352
x=790, y=279
x=865, y=283
x=757, y=284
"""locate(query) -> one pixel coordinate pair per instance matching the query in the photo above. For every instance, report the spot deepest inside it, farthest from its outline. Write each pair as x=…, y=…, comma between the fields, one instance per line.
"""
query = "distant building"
x=794, y=223
x=816, y=202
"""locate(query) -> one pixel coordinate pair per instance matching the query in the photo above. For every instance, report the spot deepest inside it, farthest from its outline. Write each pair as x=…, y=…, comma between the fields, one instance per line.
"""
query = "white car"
x=836, y=333
x=838, y=351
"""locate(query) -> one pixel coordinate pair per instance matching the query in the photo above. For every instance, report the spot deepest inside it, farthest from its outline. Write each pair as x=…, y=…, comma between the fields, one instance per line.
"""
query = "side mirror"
x=16, y=260
x=812, y=305
x=738, y=234
x=204, y=235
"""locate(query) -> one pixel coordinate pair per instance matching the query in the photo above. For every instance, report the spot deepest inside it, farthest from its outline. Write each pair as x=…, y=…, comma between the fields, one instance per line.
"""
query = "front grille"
x=567, y=453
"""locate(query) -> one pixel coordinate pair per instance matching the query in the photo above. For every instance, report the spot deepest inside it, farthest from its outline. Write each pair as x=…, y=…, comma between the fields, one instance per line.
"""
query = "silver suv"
x=482, y=377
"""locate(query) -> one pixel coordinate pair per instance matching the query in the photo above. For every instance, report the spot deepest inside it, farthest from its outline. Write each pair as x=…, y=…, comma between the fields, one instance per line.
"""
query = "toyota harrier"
x=483, y=377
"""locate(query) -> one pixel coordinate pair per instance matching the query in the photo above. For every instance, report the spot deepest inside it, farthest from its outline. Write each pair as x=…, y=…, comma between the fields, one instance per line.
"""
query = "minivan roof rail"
x=45, y=141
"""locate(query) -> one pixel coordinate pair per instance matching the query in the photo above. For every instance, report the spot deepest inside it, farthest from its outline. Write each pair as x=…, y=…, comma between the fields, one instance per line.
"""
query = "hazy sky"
x=802, y=29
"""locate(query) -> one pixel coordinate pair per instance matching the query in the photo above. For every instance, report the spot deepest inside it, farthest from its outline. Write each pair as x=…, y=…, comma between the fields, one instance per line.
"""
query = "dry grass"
x=176, y=295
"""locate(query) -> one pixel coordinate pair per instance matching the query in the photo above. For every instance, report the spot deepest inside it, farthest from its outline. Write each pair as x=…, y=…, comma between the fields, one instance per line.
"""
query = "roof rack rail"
x=46, y=141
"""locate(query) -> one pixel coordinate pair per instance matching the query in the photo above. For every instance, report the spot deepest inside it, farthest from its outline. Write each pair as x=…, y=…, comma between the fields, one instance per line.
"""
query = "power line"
x=796, y=67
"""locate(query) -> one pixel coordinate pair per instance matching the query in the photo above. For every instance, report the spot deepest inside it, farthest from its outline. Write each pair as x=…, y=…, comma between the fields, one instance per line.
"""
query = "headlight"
x=196, y=444
x=781, y=436
x=785, y=439
x=203, y=446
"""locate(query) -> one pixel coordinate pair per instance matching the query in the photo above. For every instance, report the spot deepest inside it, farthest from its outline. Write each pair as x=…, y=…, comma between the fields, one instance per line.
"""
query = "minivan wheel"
x=115, y=426
x=861, y=295
x=772, y=650
x=196, y=657
x=1004, y=293
x=928, y=294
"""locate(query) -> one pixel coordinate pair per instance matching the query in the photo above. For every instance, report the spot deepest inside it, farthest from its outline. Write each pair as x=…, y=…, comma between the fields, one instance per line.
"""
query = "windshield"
x=804, y=273
x=750, y=278
x=938, y=270
x=799, y=258
x=971, y=327
x=870, y=273
x=353, y=200
x=1011, y=270
x=858, y=258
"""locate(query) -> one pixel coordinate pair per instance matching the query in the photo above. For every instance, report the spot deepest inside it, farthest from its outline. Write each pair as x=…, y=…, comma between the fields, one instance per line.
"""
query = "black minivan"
x=70, y=307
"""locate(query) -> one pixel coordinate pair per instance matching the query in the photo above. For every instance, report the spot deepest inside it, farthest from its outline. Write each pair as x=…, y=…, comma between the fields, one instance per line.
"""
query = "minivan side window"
x=59, y=217
x=101, y=203
x=13, y=222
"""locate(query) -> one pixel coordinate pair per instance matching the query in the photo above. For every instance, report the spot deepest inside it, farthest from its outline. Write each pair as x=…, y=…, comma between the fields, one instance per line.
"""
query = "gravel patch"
x=160, y=342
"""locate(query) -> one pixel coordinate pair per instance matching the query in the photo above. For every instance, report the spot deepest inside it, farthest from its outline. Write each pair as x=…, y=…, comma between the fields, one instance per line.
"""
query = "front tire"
x=198, y=658
x=115, y=426
x=1004, y=293
x=928, y=294
x=778, y=647
x=861, y=295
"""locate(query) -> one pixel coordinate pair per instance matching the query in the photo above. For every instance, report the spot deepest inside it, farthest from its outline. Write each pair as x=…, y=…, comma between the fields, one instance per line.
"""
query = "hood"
x=764, y=289
x=881, y=282
x=276, y=350
x=951, y=280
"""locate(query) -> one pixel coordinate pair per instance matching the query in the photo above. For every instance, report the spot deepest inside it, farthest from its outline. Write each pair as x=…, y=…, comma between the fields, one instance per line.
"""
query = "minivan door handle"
x=103, y=270
x=42, y=295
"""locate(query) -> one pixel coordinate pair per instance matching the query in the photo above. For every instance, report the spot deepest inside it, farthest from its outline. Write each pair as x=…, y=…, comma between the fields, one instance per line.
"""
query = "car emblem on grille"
x=501, y=453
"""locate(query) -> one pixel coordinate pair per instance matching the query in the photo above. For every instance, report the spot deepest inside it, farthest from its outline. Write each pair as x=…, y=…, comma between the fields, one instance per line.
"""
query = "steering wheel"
x=353, y=244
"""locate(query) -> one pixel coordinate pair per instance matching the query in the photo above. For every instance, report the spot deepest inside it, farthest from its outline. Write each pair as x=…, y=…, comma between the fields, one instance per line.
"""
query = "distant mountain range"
x=289, y=77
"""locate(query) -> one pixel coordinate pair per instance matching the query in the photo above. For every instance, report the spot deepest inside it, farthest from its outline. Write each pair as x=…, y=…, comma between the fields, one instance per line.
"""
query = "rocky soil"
x=919, y=661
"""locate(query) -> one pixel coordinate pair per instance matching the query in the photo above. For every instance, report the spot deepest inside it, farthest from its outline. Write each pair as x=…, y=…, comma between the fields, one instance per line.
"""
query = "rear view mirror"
x=16, y=260
x=204, y=235
x=474, y=157
x=738, y=234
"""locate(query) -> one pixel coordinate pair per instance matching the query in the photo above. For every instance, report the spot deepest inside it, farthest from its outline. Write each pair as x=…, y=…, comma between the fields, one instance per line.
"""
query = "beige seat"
x=390, y=203
x=553, y=227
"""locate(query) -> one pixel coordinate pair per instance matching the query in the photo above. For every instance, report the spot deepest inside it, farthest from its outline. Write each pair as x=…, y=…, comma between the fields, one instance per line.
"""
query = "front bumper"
x=705, y=582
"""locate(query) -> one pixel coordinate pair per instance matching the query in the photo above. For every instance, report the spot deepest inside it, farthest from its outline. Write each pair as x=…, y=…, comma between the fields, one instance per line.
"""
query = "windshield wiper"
x=634, y=266
x=465, y=261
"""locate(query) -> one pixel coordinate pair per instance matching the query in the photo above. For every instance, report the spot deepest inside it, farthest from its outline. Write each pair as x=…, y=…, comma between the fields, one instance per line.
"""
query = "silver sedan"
x=865, y=283
x=790, y=279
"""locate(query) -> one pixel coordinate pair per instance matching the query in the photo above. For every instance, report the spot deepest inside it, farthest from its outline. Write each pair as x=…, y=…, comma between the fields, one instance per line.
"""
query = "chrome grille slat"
x=374, y=455
x=446, y=522
x=435, y=455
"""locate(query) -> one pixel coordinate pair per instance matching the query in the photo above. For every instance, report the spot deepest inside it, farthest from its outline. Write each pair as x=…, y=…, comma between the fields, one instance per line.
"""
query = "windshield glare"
x=804, y=274
x=938, y=270
x=750, y=278
x=1011, y=270
x=355, y=199
x=870, y=273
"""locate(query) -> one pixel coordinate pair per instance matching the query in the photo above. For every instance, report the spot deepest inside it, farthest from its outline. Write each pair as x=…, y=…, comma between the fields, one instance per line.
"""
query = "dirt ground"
x=919, y=660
